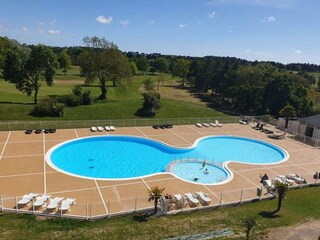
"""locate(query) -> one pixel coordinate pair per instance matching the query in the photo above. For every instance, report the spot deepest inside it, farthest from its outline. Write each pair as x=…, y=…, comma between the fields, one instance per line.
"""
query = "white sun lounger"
x=290, y=182
x=41, y=200
x=206, y=124
x=296, y=178
x=107, y=128
x=203, y=198
x=179, y=200
x=218, y=124
x=54, y=203
x=191, y=199
x=93, y=129
x=66, y=204
x=100, y=129
x=268, y=185
x=112, y=128
x=26, y=199
x=213, y=125
x=199, y=124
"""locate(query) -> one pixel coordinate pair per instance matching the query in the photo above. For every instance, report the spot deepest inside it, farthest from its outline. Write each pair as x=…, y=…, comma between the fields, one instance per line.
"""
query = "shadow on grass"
x=17, y=103
x=269, y=214
x=142, y=217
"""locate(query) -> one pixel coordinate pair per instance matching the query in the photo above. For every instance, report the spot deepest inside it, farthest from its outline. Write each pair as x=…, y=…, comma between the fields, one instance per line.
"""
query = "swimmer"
x=206, y=171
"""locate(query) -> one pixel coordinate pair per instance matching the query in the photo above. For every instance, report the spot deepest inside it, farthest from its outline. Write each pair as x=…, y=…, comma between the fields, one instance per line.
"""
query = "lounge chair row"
x=289, y=179
x=100, y=129
x=179, y=201
x=215, y=124
x=162, y=126
x=38, y=131
x=57, y=203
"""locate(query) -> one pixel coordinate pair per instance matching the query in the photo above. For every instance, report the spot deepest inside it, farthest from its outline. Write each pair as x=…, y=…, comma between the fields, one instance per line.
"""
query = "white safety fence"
x=97, y=210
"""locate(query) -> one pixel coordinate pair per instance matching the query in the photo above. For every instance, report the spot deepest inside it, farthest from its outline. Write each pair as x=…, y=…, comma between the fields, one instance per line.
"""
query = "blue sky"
x=277, y=30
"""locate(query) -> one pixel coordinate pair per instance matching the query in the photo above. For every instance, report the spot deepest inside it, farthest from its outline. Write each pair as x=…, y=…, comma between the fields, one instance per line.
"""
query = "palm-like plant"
x=282, y=189
x=154, y=195
x=249, y=223
x=287, y=111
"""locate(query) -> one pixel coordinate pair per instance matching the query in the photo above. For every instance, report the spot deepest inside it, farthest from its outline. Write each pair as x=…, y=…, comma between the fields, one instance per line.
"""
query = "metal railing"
x=95, y=210
x=71, y=124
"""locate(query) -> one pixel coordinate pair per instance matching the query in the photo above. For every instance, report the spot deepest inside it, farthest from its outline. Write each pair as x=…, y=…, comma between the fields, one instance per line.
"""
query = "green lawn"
x=122, y=102
x=300, y=205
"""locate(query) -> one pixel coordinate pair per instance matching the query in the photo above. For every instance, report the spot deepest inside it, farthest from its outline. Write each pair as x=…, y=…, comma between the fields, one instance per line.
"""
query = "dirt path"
x=306, y=231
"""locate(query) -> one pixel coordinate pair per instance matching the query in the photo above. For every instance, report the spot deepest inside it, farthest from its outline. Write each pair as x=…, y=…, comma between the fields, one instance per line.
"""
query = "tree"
x=143, y=64
x=101, y=59
x=27, y=71
x=154, y=195
x=133, y=67
x=161, y=64
x=64, y=61
x=148, y=84
x=151, y=104
x=5, y=46
x=181, y=69
x=249, y=223
x=281, y=189
x=287, y=111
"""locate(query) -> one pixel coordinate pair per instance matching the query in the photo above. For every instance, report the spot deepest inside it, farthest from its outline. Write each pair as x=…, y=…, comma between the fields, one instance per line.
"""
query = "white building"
x=308, y=126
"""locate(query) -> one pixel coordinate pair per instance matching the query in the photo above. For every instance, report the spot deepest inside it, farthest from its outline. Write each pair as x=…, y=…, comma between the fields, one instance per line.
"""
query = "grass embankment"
x=121, y=103
x=300, y=205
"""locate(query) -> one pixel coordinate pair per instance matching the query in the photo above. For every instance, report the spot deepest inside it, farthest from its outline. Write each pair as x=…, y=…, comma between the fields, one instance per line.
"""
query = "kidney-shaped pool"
x=124, y=157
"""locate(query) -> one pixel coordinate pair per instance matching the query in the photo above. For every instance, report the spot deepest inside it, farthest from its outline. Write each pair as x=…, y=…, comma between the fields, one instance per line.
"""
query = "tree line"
x=243, y=86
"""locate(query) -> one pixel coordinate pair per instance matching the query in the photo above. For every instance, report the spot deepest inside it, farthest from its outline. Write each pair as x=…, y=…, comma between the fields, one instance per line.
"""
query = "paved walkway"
x=23, y=169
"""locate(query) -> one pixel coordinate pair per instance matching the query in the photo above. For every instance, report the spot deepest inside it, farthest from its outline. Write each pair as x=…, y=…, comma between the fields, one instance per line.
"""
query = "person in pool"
x=206, y=171
x=195, y=179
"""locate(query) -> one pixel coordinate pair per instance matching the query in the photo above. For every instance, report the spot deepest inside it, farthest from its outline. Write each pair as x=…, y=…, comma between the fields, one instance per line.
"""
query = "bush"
x=86, y=98
x=48, y=108
x=78, y=97
x=151, y=104
x=73, y=100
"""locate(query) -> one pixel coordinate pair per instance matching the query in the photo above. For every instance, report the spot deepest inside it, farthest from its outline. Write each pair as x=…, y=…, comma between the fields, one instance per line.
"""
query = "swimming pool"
x=123, y=157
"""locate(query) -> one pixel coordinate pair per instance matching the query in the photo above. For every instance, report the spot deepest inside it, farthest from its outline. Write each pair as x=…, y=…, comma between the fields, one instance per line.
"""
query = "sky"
x=285, y=31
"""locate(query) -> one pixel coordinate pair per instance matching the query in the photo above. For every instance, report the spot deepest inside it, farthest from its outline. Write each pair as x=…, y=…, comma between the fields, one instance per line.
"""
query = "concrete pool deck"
x=24, y=170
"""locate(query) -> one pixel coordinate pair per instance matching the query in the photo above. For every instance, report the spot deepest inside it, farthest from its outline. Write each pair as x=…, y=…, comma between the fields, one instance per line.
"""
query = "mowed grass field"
x=300, y=206
x=122, y=103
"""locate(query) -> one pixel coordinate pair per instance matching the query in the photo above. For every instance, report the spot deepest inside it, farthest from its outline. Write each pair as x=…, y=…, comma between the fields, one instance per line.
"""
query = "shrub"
x=73, y=100
x=48, y=108
x=86, y=98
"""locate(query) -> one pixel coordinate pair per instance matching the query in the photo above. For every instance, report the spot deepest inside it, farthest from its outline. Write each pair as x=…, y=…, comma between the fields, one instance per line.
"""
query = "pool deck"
x=23, y=169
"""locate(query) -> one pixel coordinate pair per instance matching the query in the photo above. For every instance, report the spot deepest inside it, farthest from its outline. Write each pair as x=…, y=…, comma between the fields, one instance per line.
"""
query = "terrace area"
x=23, y=170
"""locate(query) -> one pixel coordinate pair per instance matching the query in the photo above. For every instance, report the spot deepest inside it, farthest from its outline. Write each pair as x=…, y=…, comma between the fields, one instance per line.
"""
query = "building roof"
x=312, y=120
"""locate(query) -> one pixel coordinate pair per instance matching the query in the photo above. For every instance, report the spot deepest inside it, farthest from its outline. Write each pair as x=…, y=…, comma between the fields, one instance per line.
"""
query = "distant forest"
x=230, y=84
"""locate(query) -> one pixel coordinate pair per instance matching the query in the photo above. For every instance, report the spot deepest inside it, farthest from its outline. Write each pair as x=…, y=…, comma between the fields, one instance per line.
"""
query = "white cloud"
x=25, y=29
x=72, y=34
x=248, y=50
x=41, y=23
x=298, y=51
x=54, y=31
x=269, y=19
x=103, y=20
x=212, y=14
x=183, y=25
x=231, y=31
x=124, y=22
x=41, y=30
x=151, y=22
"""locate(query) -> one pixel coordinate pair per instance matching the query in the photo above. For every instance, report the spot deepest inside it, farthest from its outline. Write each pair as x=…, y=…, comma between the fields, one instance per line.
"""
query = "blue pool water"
x=194, y=172
x=119, y=157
